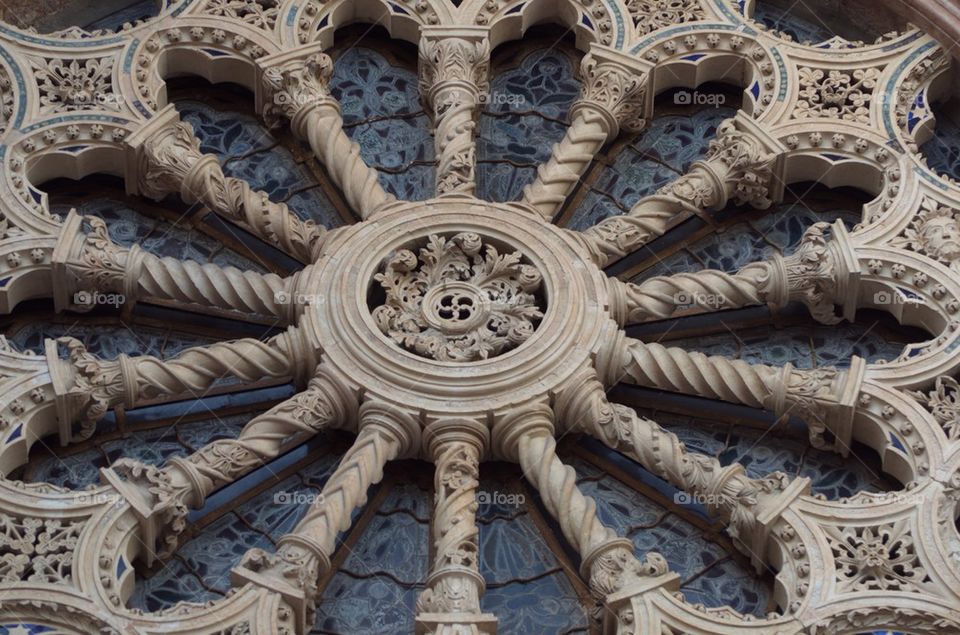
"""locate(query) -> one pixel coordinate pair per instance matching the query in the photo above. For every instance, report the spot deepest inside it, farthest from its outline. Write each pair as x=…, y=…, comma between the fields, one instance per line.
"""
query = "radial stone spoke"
x=614, y=96
x=607, y=561
x=90, y=386
x=725, y=491
x=822, y=271
x=298, y=88
x=186, y=482
x=451, y=602
x=304, y=554
x=453, y=76
x=743, y=164
x=824, y=398
x=169, y=160
x=88, y=264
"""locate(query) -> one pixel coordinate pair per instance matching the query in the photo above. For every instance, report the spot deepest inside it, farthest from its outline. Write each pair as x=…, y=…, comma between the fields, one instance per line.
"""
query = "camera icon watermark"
x=501, y=99
x=297, y=498
x=697, y=98
x=893, y=298
x=283, y=298
x=90, y=299
x=693, y=498
x=686, y=299
x=502, y=499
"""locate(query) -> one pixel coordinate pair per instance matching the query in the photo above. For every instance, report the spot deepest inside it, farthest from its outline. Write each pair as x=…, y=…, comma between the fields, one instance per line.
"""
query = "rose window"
x=477, y=317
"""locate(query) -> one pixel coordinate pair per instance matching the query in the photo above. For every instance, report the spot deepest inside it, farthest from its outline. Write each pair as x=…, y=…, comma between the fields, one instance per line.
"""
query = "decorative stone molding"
x=836, y=93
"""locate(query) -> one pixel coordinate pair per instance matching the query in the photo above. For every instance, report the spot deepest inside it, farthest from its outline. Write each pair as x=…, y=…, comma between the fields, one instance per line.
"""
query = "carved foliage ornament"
x=881, y=558
x=836, y=94
x=260, y=13
x=453, y=60
x=617, y=90
x=298, y=86
x=67, y=85
x=944, y=403
x=650, y=15
x=36, y=549
x=460, y=300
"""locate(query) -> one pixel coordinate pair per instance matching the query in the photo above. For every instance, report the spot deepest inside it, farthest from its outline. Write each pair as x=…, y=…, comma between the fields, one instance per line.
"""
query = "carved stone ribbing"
x=661, y=296
x=304, y=554
x=92, y=385
x=186, y=482
x=691, y=373
x=607, y=560
x=171, y=161
x=209, y=285
x=817, y=274
x=613, y=96
x=738, y=166
x=453, y=75
x=455, y=584
x=91, y=262
x=301, y=93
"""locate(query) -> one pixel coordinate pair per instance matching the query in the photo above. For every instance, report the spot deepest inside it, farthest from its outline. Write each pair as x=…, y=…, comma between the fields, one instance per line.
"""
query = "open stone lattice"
x=458, y=331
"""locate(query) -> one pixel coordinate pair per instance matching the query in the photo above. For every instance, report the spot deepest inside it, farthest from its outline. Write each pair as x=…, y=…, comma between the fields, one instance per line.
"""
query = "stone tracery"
x=524, y=302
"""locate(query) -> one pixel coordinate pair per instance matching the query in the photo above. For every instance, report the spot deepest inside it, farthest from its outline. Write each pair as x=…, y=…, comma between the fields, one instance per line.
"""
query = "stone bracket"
x=748, y=125
x=669, y=582
x=262, y=96
x=293, y=596
x=429, y=623
x=143, y=510
x=769, y=516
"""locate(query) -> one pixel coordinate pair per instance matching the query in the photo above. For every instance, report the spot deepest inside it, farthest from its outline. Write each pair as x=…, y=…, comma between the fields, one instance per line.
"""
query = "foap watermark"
x=686, y=299
x=503, y=499
x=297, y=498
x=285, y=297
x=98, y=298
x=501, y=99
x=698, y=98
x=892, y=298
x=693, y=498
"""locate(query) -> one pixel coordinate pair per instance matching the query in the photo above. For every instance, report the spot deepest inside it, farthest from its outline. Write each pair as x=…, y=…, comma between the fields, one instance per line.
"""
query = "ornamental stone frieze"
x=459, y=331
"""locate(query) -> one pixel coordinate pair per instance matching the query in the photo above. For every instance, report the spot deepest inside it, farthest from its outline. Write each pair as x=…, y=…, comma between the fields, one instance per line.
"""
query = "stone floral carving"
x=650, y=15
x=37, y=549
x=837, y=94
x=260, y=13
x=944, y=403
x=78, y=84
x=879, y=558
x=934, y=232
x=460, y=300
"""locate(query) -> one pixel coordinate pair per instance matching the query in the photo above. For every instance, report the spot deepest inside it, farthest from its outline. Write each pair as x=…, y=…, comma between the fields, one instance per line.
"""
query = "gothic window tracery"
x=645, y=327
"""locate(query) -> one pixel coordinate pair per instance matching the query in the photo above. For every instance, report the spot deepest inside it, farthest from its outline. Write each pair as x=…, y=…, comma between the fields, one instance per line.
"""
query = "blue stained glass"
x=708, y=574
x=382, y=113
x=797, y=28
x=524, y=116
x=942, y=150
x=107, y=341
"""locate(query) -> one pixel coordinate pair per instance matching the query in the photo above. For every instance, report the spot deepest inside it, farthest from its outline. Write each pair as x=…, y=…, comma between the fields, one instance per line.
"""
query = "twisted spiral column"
x=451, y=601
x=613, y=95
x=185, y=483
x=455, y=112
x=742, y=164
x=568, y=162
x=713, y=377
x=607, y=561
x=710, y=290
x=299, y=88
x=89, y=263
x=169, y=160
x=304, y=553
x=209, y=285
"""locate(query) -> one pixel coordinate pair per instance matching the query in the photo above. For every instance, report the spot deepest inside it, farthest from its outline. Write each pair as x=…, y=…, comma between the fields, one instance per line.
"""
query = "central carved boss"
x=459, y=300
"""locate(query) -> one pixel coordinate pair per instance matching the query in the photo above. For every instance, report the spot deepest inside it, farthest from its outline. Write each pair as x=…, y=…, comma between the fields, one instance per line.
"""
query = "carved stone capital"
x=615, y=87
x=453, y=58
x=820, y=273
x=86, y=260
x=293, y=83
x=162, y=156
